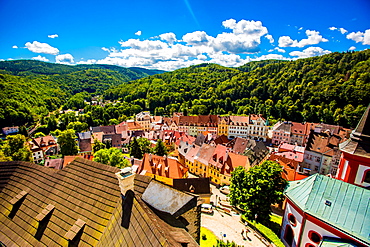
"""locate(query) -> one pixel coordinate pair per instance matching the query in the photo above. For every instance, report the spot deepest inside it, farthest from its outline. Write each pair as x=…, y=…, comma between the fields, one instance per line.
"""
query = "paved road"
x=221, y=223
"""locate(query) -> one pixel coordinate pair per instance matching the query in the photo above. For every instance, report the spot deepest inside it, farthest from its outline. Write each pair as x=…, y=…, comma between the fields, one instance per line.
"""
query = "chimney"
x=126, y=180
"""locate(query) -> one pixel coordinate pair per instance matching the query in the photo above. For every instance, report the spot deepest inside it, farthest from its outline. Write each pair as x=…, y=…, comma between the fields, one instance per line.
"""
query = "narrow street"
x=228, y=227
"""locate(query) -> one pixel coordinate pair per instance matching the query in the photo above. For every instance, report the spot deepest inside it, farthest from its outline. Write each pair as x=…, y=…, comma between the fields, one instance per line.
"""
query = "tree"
x=98, y=145
x=160, y=149
x=38, y=134
x=16, y=148
x=67, y=143
x=256, y=189
x=135, y=149
x=77, y=126
x=144, y=145
x=111, y=157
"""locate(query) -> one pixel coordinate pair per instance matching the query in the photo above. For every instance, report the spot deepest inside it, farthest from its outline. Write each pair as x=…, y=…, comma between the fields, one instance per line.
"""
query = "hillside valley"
x=334, y=88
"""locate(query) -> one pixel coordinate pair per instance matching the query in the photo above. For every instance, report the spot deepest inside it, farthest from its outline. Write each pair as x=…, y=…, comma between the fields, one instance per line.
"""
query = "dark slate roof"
x=81, y=202
x=84, y=135
x=359, y=141
x=193, y=185
x=342, y=205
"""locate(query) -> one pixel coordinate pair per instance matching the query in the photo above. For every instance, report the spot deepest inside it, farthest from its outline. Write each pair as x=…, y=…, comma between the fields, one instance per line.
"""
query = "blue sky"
x=174, y=34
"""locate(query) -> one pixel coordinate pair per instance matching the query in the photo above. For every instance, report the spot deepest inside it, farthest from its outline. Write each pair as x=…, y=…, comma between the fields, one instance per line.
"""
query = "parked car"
x=225, y=189
x=206, y=208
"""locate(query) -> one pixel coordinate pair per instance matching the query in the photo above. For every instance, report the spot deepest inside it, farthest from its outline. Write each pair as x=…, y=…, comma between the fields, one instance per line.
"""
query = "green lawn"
x=269, y=233
x=210, y=240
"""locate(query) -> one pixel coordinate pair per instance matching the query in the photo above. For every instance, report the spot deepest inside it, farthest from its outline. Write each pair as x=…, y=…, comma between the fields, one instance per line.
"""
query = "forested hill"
x=32, y=88
x=333, y=88
x=78, y=78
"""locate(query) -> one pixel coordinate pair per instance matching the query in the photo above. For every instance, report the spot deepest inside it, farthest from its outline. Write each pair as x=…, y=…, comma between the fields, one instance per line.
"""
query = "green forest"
x=334, y=89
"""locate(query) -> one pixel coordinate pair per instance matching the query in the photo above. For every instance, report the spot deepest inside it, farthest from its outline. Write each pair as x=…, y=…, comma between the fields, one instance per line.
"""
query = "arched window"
x=367, y=176
x=289, y=235
x=292, y=220
x=309, y=245
x=314, y=236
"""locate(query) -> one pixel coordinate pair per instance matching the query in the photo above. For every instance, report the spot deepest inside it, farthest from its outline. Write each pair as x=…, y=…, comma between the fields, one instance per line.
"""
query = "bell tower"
x=354, y=165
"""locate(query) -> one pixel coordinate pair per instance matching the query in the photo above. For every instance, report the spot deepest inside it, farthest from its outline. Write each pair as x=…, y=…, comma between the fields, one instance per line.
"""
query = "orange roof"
x=162, y=166
x=134, y=126
x=68, y=159
x=289, y=166
x=298, y=128
x=219, y=156
x=233, y=161
x=46, y=140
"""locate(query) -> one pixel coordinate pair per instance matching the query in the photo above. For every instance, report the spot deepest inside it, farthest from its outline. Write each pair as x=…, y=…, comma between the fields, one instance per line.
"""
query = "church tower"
x=354, y=166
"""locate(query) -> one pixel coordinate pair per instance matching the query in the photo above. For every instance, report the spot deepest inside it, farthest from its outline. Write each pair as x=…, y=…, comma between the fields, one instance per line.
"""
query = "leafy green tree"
x=221, y=243
x=77, y=126
x=67, y=142
x=111, y=157
x=16, y=148
x=256, y=189
x=160, y=149
x=23, y=131
x=98, y=145
x=145, y=145
x=135, y=149
x=38, y=134
x=56, y=132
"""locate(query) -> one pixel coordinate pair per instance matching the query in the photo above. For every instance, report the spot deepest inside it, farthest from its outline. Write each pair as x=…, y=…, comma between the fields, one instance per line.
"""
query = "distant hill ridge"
x=333, y=88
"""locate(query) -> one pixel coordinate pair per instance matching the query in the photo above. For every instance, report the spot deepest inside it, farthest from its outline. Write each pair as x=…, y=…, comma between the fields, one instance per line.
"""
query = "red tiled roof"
x=298, y=128
x=162, y=166
x=297, y=156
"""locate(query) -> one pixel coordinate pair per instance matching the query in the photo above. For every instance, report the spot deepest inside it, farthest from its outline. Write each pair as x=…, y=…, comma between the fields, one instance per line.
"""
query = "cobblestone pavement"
x=221, y=223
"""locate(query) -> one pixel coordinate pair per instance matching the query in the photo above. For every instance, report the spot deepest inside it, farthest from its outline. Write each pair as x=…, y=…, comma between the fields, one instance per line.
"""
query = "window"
x=289, y=235
x=292, y=220
x=367, y=176
x=314, y=236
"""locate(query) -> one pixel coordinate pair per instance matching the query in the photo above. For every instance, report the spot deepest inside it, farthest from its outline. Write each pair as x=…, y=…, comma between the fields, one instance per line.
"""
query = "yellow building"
x=201, y=160
x=222, y=126
x=189, y=158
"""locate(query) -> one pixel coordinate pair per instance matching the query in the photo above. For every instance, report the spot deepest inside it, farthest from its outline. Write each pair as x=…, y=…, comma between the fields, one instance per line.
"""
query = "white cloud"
x=279, y=50
x=300, y=28
x=270, y=38
x=270, y=56
x=38, y=47
x=39, y=57
x=313, y=38
x=197, y=38
x=169, y=37
x=15, y=47
x=167, y=52
x=64, y=59
x=352, y=48
x=309, y=52
x=342, y=30
x=52, y=36
x=138, y=33
x=360, y=37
